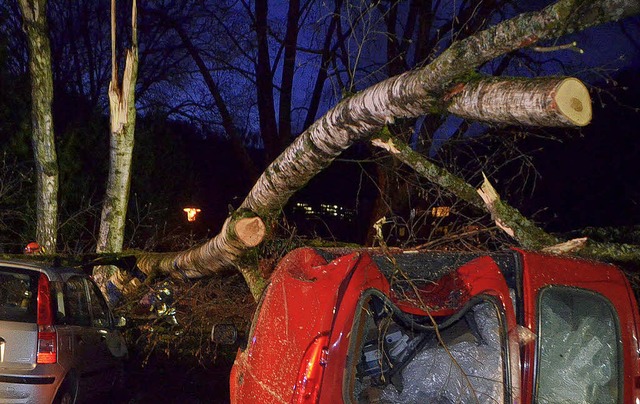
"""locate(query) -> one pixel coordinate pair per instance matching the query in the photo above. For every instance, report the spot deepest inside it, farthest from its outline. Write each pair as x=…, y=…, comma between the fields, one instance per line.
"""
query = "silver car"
x=59, y=342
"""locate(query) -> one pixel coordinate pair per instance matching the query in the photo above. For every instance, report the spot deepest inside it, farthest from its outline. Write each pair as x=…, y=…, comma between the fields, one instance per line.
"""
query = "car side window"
x=99, y=308
x=76, y=303
x=579, y=356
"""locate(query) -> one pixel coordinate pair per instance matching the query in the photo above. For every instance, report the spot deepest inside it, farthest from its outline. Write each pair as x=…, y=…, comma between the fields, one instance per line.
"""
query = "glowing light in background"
x=192, y=213
x=440, y=211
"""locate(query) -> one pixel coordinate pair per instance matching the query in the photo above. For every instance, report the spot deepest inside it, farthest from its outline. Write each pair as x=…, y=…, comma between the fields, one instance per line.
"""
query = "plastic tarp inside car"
x=461, y=370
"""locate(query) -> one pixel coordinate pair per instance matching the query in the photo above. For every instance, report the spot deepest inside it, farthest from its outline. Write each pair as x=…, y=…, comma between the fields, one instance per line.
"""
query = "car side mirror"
x=224, y=334
x=121, y=322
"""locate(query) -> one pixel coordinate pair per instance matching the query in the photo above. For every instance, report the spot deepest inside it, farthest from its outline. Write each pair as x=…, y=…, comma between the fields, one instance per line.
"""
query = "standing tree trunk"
x=264, y=84
x=288, y=71
x=43, y=141
x=123, y=123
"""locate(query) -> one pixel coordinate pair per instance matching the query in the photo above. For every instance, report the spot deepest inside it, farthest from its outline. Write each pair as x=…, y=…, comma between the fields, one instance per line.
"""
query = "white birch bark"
x=122, y=111
x=42, y=138
x=556, y=102
x=123, y=121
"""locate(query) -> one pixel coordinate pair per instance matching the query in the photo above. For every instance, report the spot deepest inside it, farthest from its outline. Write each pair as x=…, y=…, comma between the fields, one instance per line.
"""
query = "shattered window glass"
x=579, y=358
x=404, y=358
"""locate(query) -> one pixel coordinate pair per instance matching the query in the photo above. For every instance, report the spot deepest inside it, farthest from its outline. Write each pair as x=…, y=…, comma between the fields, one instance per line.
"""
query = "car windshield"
x=18, y=295
x=405, y=358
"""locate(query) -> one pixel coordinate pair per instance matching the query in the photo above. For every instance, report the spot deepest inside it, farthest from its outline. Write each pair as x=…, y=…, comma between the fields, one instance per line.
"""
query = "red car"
x=410, y=327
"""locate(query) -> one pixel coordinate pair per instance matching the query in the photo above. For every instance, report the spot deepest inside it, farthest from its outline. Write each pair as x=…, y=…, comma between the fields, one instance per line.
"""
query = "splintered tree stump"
x=536, y=102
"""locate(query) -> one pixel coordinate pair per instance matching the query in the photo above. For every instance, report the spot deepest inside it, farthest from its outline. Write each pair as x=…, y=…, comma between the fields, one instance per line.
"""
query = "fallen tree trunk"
x=556, y=102
x=408, y=95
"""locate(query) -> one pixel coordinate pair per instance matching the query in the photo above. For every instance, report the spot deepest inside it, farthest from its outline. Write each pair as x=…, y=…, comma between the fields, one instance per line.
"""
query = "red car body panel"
x=293, y=314
x=312, y=298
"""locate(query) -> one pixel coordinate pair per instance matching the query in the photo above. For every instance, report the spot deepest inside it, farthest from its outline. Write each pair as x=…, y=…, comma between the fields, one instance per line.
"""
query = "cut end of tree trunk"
x=546, y=101
x=250, y=231
x=573, y=101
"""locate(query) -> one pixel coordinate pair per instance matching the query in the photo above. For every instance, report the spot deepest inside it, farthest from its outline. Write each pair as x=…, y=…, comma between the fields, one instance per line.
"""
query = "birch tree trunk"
x=408, y=95
x=122, y=111
x=123, y=121
x=42, y=138
x=538, y=102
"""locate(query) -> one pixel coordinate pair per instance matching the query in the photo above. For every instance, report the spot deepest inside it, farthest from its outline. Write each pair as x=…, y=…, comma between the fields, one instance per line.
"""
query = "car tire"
x=67, y=393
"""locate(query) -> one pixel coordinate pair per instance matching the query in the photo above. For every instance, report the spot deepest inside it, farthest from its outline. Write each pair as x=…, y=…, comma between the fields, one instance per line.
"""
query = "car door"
x=110, y=348
x=18, y=329
x=85, y=339
x=584, y=319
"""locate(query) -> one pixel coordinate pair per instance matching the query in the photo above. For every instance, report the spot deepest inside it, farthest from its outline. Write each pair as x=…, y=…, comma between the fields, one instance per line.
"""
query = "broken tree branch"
x=522, y=229
x=509, y=219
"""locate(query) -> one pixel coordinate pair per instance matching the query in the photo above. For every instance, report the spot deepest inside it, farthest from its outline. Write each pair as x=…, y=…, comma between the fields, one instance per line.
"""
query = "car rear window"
x=400, y=358
x=18, y=294
x=578, y=348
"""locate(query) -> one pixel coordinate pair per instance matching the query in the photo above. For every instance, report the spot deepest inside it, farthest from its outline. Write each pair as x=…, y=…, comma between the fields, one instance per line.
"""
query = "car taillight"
x=307, y=388
x=47, y=336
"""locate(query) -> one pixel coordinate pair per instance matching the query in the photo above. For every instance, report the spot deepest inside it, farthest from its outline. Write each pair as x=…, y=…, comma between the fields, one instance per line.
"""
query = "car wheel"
x=67, y=392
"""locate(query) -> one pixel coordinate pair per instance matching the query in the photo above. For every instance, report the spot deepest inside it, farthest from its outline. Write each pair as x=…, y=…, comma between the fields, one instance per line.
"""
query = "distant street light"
x=191, y=213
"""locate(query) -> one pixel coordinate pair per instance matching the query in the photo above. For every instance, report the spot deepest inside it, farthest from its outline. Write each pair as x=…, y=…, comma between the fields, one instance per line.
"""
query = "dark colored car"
x=58, y=338
x=412, y=327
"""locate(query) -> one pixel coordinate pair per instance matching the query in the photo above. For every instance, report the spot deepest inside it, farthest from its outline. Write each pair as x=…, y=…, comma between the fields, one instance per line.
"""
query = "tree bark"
x=539, y=102
x=122, y=111
x=42, y=139
x=358, y=117
x=241, y=231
